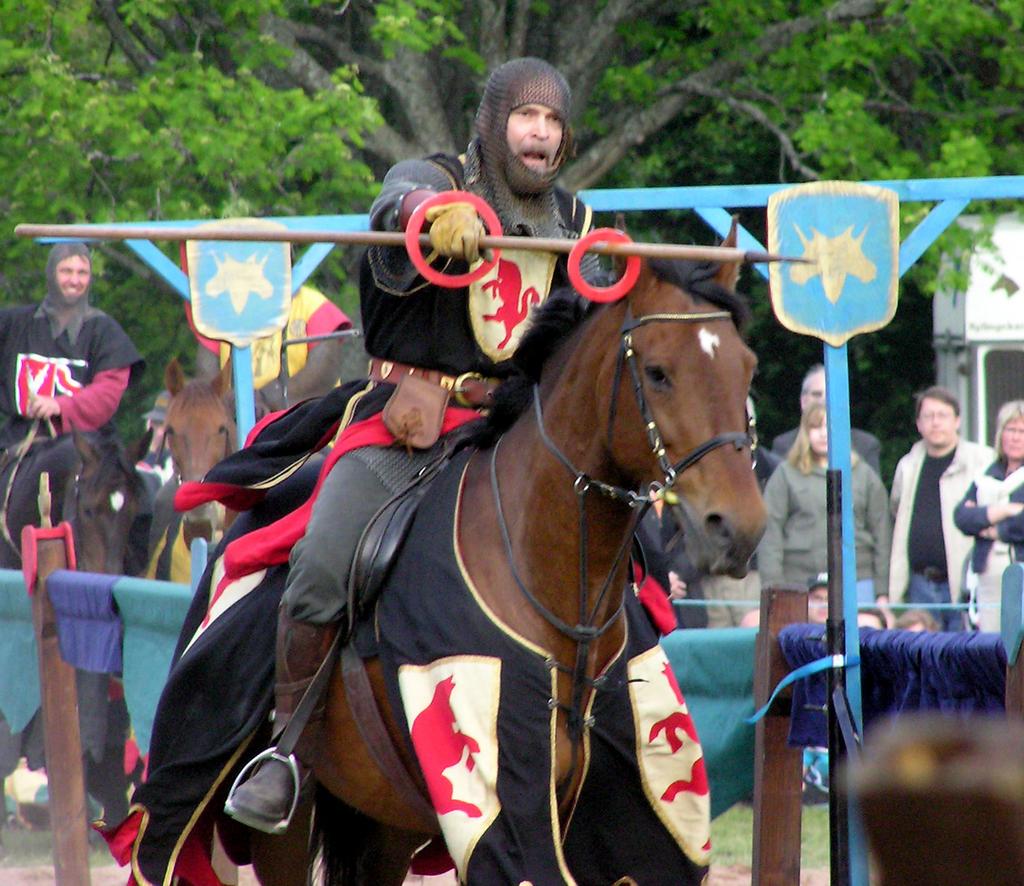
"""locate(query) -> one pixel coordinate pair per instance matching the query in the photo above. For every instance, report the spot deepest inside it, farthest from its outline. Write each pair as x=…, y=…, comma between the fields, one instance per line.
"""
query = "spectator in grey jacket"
x=992, y=512
x=795, y=539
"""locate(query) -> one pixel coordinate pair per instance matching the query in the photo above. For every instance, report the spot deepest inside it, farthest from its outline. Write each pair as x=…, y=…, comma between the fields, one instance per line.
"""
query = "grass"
x=732, y=837
x=26, y=848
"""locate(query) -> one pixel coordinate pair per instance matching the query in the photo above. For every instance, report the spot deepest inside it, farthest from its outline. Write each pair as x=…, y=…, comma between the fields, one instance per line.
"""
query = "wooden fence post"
x=59, y=705
x=778, y=785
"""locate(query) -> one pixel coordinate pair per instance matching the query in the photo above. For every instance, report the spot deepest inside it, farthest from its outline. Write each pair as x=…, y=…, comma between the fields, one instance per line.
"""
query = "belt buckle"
x=458, y=388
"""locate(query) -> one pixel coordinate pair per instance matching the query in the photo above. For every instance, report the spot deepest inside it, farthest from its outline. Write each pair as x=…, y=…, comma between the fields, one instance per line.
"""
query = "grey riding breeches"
x=357, y=486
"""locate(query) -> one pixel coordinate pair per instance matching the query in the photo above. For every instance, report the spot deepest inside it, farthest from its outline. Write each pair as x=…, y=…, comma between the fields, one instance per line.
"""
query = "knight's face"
x=73, y=275
x=534, y=133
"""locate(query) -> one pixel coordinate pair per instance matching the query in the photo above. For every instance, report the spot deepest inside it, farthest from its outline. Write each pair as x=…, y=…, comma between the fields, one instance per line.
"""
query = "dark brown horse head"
x=692, y=370
x=104, y=498
x=199, y=430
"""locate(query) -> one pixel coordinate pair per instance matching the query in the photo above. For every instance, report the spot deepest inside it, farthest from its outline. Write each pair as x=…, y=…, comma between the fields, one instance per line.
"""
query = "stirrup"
x=262, y=825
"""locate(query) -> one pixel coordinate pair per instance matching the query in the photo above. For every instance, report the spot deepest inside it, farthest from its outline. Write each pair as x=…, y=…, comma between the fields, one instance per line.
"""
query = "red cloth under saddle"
x=654, y=599
x=271, y=545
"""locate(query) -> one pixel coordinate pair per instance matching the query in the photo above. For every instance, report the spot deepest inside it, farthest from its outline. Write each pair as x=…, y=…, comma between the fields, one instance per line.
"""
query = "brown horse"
x=645, y=393
x=199, y=430
x=104, y=501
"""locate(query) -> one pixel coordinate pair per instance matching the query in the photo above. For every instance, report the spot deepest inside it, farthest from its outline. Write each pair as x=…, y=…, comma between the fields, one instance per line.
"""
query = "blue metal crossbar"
x=711, y=203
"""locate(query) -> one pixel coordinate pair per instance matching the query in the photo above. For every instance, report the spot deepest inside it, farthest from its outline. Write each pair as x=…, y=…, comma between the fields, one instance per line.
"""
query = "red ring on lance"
x=603, y=293
x=415, y=225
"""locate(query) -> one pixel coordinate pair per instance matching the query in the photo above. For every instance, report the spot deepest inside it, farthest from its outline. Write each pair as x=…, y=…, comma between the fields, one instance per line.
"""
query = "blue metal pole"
x=241, y=378
x=837, y=393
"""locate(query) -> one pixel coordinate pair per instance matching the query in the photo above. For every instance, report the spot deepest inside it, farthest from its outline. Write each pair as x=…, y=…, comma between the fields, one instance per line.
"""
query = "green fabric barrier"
x=19, y=665
x=152, y=613
x=715, y=670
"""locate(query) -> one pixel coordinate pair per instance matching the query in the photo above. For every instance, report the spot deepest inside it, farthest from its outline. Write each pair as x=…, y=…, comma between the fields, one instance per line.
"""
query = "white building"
x=979, y=332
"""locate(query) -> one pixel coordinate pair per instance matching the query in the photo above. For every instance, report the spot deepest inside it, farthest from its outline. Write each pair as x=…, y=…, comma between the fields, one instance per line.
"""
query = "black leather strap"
x=304, y=709
x=366, y=713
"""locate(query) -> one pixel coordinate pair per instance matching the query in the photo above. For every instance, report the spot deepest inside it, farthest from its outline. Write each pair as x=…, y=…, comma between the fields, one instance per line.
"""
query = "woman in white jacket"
x=992, y=512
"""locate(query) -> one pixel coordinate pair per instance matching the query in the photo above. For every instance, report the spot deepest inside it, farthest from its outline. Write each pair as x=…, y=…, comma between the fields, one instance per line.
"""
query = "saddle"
x=379, y=545
x=383, y=538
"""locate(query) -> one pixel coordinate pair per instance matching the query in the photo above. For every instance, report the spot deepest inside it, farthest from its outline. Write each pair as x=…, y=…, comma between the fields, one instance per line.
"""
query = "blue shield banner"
x=849, y=232
x=240, y=290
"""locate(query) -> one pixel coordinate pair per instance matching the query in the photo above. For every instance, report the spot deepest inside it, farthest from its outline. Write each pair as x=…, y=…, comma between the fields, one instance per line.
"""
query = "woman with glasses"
x=992, y=512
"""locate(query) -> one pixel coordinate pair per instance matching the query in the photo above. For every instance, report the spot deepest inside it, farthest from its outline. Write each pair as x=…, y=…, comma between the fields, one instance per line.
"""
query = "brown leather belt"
x=470, y=389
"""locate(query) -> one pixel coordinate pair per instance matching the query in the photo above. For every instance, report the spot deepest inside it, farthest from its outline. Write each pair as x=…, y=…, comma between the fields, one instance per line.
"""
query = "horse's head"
x=669, y=402
x=200, y=431
x=675, y=405
x=104, y=498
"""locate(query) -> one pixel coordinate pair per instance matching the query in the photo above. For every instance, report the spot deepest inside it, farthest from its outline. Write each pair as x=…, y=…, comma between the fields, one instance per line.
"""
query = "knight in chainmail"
x=425, y=340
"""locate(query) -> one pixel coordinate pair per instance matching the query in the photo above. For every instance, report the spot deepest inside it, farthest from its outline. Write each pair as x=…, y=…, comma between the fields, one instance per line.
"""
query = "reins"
x=19, y=456
x=585, y=632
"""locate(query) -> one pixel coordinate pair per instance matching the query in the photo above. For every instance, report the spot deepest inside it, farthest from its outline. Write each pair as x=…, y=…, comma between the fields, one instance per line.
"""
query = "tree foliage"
x=144, y=109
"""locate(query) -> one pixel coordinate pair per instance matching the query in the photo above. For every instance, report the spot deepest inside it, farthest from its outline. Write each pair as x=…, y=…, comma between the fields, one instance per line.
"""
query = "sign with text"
x=994, y=306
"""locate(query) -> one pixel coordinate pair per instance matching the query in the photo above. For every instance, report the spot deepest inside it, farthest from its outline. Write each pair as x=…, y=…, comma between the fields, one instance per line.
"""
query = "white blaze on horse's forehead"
x=709, y=341
x=116, y=500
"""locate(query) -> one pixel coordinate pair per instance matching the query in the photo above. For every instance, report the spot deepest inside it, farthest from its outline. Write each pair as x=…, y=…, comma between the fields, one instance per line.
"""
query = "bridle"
x=72, y=508
x=585, y=632
x=627, y=354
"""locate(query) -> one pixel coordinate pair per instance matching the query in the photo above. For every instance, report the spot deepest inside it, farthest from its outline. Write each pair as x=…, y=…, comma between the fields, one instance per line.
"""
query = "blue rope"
x=812, y=667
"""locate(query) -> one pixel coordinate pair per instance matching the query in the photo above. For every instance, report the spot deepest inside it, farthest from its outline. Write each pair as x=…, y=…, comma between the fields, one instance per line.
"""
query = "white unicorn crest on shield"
x=239, y=279
x=834, y=258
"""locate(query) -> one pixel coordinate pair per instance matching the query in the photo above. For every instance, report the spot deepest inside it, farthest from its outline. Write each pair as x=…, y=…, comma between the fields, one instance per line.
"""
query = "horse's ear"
x=729, y=272
x=174, y=377
x=221, y=382
x=84, y=446
x=137, y=450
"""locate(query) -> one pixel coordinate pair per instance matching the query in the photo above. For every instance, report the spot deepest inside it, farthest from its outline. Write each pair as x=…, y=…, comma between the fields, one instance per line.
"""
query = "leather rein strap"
x=19, y=456
x=586, y=631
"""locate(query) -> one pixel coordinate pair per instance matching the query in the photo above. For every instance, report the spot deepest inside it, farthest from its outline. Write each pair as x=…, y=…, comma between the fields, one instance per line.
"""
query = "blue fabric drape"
x=900, y=671
x=19, y=667
x=153, y=612
x=87, y=620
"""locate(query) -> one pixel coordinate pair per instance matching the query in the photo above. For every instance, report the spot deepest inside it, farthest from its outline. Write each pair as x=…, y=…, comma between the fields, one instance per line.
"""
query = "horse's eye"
x=168, y=432
x=657, y=377
x=223, y=430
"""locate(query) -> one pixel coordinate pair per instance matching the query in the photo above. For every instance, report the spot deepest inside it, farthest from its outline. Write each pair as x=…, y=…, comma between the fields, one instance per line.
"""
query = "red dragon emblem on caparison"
x=674, y=727
x=514, y=303
x=439, y=746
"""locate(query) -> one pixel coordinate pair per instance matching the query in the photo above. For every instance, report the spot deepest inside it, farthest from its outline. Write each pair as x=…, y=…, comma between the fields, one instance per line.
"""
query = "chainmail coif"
x=522, y=197
x=60, y=252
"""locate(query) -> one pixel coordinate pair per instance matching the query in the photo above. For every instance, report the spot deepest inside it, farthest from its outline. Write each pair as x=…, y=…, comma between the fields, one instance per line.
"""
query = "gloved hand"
x=455, y=230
